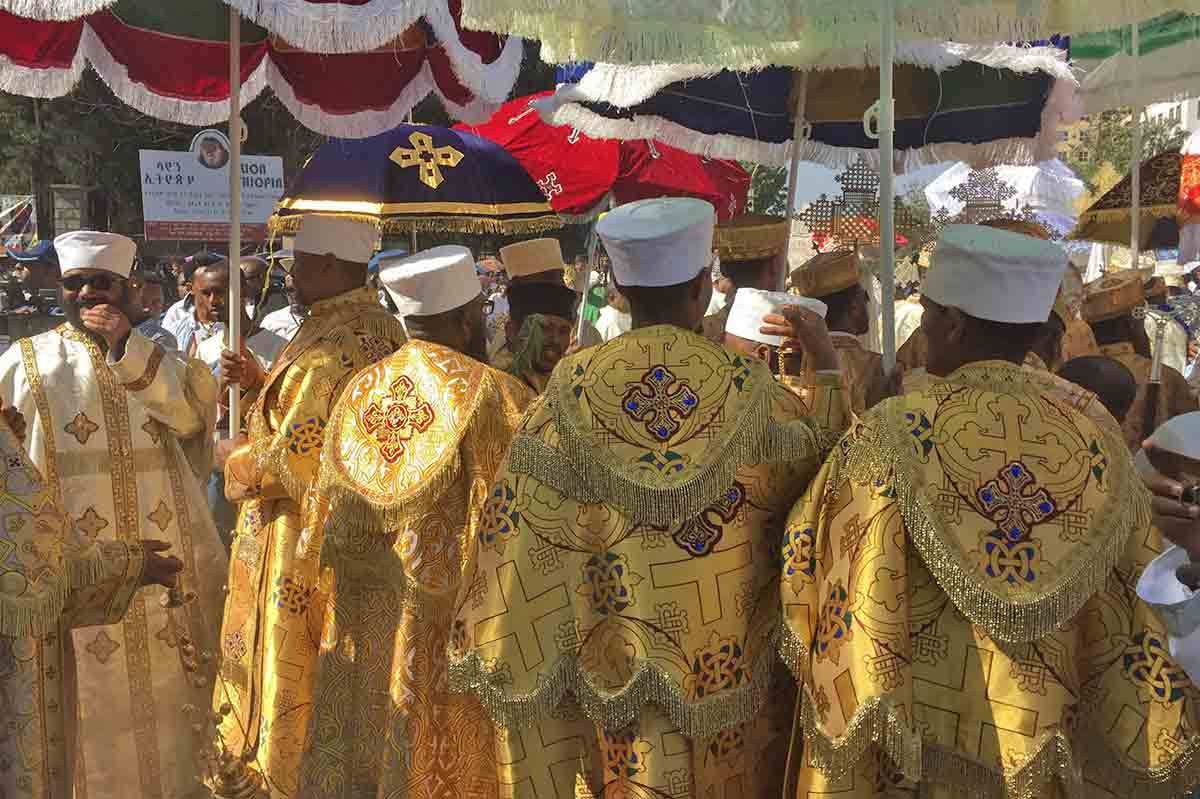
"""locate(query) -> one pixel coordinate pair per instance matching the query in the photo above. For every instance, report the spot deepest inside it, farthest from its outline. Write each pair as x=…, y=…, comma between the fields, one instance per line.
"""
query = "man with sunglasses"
x=276, y=604
x=120, y=427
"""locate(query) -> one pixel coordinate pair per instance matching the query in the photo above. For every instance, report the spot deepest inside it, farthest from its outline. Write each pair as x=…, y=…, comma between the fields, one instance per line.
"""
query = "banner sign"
x=185, y=195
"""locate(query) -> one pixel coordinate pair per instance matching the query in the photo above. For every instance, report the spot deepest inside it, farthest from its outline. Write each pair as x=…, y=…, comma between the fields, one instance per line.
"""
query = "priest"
x=958, y=581
x=752, y=250
x=54, y=583
x=542, y=312
x=276, y=604
x=403, y=502
x=120, y=428
x=835, y=279
x=619, y=606
x=1108, y=306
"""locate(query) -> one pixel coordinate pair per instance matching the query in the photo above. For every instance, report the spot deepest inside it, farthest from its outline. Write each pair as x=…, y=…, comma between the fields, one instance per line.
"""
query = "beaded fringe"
x=575, y=469
x=614, y=711
x=1007, y=619
x=479, y=225
x=38, y=614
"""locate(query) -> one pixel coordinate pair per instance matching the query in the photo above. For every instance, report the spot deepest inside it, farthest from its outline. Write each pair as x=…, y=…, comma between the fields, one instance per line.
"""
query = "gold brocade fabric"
x=958, y=586
x=712, y=327
x=1078, y=341
x=861, y=369
x=626, y=557
x=410, y=454
x=1174, y=394
x=275, y=609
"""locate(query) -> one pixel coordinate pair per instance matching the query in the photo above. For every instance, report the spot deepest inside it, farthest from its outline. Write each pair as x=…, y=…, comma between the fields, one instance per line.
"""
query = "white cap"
x=91, y=249
x=751, y=305
x=994, y=274
x=343, y=237
x=659, y=242
x=431, y=282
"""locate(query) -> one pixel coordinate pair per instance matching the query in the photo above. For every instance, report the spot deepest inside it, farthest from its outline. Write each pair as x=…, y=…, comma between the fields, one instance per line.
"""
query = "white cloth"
x=908, y=320
x=124, y=443
x=92, y=249
x=716, y=303
x=431, y=282
x=994, y=274
x=264, y=345
x=1177, y=605
x=345, y=238
x=282, y=323
x=612, y=323
x=658, y=242
x=751, y=305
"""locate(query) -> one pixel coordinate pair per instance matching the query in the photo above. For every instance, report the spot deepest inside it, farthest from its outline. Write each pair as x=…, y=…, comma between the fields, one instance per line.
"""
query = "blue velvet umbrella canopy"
x=416, y=177
x=953, y=102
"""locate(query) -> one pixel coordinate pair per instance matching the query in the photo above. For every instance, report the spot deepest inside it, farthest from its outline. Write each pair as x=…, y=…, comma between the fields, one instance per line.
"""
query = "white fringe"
x=489, y=82
x=335, y=27
x=760, y=31
x=1165, y=75
x=29, y=82
x=55, y=10
x=172, y=109
x=979, y=156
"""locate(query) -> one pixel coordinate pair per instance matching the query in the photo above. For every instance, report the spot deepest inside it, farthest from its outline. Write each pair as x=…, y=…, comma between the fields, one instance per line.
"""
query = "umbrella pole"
x=234, y=330
x=798, y=135
x=887, y=189
x=1135, y=241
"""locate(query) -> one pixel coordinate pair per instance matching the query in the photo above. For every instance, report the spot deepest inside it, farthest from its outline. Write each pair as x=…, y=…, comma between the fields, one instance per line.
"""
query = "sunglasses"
x=100, y=282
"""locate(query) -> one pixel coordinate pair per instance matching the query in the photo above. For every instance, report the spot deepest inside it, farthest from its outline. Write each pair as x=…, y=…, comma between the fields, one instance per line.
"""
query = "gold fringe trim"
x=40, y=614
x=879, y=725
x=614, y=711
x=472, y=225
x=1010, y=620
x=588, y=473
x=1123, y=214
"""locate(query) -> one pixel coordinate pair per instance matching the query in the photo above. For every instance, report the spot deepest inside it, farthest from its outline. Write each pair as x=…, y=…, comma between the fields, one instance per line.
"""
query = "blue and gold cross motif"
x=1015, y=502
x=428, y=158
x=659, y=403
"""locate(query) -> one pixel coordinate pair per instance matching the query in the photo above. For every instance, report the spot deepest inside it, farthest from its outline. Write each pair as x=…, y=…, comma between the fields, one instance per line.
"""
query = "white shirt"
x=282, y=323
x=908, y=319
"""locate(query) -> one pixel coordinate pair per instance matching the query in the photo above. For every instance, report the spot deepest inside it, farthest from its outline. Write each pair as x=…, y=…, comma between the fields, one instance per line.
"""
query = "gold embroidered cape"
x=626, y=558
x=275, y=608
x=1174, y=394
x=410, y=454
x=958, y=586
x=112, y=440
x=50, y=583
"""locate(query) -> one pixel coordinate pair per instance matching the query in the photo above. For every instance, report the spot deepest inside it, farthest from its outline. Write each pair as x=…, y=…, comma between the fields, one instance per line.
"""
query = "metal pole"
x=799, y=128
x=1135, y=220
x=234, y=330
x=887, y=189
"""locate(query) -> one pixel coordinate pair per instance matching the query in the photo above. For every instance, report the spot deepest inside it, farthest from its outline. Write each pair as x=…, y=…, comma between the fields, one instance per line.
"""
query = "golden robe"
x=121, y=443
x=410, y=454
x=276, y=604
x=861, y=368
x=1174, y=394
x=958, y=586
x=51, y=583
x=627, y=557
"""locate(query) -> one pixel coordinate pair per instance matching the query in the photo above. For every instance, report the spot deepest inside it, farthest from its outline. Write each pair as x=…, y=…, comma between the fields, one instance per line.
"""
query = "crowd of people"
x=490, y=527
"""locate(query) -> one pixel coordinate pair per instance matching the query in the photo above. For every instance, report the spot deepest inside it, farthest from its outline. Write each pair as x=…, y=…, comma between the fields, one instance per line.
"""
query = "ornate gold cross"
x=430, y=159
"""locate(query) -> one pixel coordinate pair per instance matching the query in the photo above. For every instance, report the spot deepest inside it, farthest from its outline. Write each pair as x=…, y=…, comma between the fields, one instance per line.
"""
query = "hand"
x=1178, y=521
x=159, y=570
x=225, y=447
x=242, y=370
x=16, y=421
x=109, y=323
x=802, y=329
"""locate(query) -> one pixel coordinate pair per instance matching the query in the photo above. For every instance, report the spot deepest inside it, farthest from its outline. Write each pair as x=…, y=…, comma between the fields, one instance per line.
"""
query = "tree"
x=1107, y=138
x=768, y=189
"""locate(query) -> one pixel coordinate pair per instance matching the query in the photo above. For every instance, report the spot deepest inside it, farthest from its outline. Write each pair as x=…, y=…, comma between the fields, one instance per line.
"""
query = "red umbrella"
x=578, y=173
x=652, y=169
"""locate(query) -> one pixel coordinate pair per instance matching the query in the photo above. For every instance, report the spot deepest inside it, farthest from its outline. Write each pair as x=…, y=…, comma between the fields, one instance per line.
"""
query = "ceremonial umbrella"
x=580, y=175
x=174, y=64
x=1166, y=68
x=416, y=177
x=1045, y=193
x=1109, y=218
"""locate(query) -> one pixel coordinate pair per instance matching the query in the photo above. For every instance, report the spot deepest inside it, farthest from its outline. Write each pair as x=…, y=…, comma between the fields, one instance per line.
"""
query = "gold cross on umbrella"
x=430, y=159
